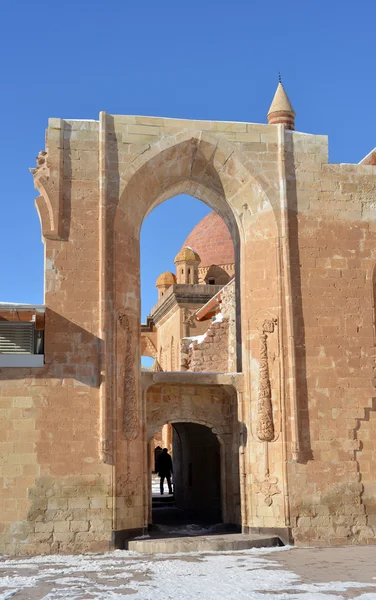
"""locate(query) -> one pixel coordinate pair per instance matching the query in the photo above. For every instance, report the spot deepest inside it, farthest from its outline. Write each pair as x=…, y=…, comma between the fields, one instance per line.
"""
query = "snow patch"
x=195, y=338
x=243, y=575
x=218, y=318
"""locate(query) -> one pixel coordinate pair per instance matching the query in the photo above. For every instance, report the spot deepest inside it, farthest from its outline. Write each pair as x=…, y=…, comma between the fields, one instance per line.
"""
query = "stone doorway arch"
x=209, y=169
x=215, y=409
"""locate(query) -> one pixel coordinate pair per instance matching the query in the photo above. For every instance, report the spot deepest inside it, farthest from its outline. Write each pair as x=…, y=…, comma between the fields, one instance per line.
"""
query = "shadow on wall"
x=70, y=353
x=217, y=276
x=197, y=470
x=303, y=420
x=67, y=183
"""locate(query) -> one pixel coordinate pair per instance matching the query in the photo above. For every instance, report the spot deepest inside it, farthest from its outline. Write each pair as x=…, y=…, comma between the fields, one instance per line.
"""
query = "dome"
x=212, y=240
x=186, y=254
x=165, y=278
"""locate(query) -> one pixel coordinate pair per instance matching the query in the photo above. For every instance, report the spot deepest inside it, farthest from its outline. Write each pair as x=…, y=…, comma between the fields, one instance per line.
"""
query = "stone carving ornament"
x=127, y=487
x=268, y=488
x=106, y=451
x=147, y=347
x=131, y=423
x=215, y=411
x=265, y=425
x=41, y=162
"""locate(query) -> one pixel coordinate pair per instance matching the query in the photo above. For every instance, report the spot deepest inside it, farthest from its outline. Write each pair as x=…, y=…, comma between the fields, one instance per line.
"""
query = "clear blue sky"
x=199, y=59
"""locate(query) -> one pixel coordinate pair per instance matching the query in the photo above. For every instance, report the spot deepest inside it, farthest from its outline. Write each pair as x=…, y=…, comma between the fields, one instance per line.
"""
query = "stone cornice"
x=182, y=294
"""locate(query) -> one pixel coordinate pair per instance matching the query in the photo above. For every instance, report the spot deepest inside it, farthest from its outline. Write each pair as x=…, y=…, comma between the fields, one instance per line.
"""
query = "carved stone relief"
x=41, y=162
x=127, y=487
x=131, y=423
x=106, y=453
x=265, y=424
x=268, y=488
x=215, y=410
x=189, y=321
x=147, y=347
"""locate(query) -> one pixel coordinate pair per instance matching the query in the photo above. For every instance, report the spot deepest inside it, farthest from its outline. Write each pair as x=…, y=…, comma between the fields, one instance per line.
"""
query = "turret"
x=164, y=281
x=187, y=261
x=281, y=110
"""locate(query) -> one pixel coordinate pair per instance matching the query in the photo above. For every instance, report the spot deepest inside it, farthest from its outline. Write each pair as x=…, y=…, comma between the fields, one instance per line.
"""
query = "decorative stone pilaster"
x=265, y=424
x=127, y=345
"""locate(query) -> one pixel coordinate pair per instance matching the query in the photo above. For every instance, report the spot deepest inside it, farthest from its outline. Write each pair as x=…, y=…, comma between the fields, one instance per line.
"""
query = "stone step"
x=198, y=543
x=163, y=500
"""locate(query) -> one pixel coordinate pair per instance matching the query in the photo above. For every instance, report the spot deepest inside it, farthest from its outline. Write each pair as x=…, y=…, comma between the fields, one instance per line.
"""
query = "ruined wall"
x=55, y=491
x=228, y=309
x=216, y=350
x=211, y=353
x=305, y=244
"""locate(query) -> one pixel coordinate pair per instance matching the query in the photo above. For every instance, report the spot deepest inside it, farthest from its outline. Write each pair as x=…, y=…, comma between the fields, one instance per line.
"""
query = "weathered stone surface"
x=73, y=433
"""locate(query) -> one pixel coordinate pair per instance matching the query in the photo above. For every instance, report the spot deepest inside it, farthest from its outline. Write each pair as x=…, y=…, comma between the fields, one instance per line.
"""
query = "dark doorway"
x=196, y=478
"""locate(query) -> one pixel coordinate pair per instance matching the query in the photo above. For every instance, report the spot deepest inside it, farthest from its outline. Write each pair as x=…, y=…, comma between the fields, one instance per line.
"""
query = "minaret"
x=281, y=110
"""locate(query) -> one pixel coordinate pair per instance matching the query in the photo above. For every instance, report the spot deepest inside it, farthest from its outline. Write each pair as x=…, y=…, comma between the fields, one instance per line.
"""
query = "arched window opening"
x=179, y=318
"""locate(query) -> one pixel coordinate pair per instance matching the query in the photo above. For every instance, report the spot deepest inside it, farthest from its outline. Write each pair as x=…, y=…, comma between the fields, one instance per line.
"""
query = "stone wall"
x=228, y=309
x=216, y=350
x=55, y=495
x=210, y=354
x=73, y=433
x=332, y=243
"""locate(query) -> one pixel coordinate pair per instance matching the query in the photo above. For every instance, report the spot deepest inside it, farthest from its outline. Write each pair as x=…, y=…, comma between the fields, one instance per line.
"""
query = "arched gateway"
x=291, y=411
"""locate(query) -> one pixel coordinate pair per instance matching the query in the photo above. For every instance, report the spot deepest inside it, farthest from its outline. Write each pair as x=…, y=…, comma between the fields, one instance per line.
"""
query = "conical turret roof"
x=281, y=102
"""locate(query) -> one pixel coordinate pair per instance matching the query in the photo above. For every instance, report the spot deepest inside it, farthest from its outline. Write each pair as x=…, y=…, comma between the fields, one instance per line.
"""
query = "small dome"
x=187, y=254
x=166, y=278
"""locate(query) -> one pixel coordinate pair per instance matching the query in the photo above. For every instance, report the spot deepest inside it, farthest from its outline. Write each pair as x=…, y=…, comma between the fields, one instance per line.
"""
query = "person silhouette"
x=164, y=469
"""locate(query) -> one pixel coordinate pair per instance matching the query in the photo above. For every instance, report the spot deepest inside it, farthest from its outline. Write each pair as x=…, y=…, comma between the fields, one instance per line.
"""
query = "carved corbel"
x=48, y=180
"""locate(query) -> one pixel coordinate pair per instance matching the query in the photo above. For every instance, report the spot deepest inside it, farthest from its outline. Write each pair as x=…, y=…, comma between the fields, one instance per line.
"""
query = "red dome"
x=212, y=241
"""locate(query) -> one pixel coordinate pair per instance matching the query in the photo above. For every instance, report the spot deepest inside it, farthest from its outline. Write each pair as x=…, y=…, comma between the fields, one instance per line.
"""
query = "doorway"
x=196, y=499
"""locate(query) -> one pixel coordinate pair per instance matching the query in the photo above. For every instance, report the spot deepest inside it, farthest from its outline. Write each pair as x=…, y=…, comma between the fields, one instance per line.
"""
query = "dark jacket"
x=164, y=465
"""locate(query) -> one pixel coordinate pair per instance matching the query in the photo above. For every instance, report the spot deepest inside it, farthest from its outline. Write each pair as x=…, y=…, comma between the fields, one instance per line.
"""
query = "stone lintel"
x=150, y=378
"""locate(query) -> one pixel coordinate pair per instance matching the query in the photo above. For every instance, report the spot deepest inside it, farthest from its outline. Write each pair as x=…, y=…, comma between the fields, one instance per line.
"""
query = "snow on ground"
x=122, y=574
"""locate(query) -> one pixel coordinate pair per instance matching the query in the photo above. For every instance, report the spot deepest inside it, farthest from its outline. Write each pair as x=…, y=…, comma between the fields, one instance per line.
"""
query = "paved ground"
x=278, y=574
